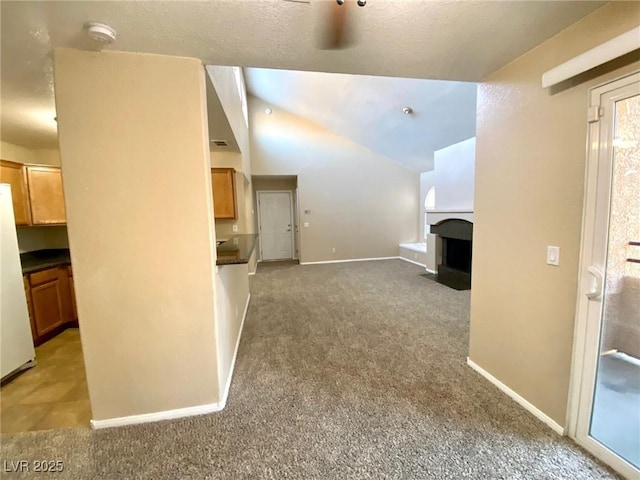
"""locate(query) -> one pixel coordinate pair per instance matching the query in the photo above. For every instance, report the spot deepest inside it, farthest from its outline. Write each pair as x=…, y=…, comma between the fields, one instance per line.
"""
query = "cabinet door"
x=65, y=293
x=14, y=174
x=32, y=320
x=46, y=196
x=224, y=192
x=47, y=306
x=72, y=292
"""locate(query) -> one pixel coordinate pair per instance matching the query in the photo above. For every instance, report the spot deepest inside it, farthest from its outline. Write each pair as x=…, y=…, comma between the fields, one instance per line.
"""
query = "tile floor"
x=53, y=394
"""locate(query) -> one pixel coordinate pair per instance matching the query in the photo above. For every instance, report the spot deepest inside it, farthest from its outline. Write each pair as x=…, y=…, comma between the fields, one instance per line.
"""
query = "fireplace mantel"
x=438, y=215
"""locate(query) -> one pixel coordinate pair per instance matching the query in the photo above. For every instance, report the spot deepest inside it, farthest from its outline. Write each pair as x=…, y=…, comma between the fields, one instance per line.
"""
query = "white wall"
x=455, y=173
x=453, y=177
x=427, y=181
x=362, y=204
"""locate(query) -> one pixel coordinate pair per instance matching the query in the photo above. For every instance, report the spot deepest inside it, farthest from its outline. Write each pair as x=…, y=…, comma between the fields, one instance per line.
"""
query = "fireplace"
x=456, y=236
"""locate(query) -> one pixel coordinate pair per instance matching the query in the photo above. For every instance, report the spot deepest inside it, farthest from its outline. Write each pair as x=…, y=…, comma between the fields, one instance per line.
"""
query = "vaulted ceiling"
x=369, y=110
x=462, y=41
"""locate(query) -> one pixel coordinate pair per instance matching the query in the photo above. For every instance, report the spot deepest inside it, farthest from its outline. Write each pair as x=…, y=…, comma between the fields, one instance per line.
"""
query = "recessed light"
x=268, y=111
x=407, y=110
x=100, y=32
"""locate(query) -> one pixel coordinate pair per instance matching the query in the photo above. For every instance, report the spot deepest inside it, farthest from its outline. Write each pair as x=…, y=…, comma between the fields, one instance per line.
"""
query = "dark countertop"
x=43, y=259
x=236, y=249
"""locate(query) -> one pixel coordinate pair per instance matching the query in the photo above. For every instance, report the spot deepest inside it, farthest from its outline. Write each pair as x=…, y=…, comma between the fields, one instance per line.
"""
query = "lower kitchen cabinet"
x=32, y=321
x=72, y=292
x=47, y=307
x=51, y=302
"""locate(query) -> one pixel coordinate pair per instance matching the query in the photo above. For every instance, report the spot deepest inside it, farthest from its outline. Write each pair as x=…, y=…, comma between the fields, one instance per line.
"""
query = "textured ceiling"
x=410, y=38
x=368, y=110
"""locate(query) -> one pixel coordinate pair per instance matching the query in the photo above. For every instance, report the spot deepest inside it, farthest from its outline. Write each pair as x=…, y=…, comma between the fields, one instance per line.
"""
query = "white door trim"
x=587, y=333
x=258, y=193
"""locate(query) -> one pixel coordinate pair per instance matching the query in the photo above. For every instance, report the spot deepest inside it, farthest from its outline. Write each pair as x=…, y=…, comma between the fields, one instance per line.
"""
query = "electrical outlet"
x=333, y=250
x=235, y=228
x=306, y=224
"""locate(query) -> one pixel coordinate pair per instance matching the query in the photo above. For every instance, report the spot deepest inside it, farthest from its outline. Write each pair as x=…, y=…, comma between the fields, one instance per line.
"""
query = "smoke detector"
x=101, y=32
x=407, y=110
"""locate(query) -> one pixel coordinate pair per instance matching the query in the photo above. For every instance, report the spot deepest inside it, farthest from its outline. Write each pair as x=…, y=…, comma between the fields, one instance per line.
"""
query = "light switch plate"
x=306, y=224
x=235, y=228
x=553, y=255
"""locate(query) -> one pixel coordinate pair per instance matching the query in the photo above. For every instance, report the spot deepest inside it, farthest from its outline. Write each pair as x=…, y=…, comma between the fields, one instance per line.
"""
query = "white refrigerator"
x=16, y=343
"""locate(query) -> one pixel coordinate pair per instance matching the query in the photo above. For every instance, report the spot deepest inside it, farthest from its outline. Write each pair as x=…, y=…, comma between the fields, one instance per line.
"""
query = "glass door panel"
x=615, y=417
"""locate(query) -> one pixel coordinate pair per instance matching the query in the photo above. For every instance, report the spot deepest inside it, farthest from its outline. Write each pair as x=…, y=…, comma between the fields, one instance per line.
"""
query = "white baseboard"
x=225, y=393
x=412, y=261
x=156, y=416
x=539, y=414
x=178, y=412
x=349, y=260
x=252, y=273
x=431, y=271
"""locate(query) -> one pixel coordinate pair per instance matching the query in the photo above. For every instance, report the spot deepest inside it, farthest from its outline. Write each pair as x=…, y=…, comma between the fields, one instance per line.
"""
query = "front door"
x=275, y=225
x=605, y=411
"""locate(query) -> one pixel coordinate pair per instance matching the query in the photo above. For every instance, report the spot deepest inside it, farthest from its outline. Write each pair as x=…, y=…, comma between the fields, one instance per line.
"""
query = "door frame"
x=290, y=193
x=587, y=334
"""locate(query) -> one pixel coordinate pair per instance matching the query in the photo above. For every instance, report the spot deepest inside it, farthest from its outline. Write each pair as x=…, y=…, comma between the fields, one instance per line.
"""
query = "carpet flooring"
x=352, y=370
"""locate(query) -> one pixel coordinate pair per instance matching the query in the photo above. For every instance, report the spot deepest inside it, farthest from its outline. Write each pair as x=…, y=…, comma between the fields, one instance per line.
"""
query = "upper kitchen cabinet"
x=46, y=197
x=223, y=182
x=14, y=174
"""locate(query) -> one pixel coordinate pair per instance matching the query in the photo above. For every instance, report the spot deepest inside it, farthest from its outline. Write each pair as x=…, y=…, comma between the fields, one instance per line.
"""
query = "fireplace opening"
x=456, y=254
x=457, y=241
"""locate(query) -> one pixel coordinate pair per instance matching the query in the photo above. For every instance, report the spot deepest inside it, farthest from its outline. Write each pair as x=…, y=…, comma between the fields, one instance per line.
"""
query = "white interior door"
x=275, y=218
x=605, y=402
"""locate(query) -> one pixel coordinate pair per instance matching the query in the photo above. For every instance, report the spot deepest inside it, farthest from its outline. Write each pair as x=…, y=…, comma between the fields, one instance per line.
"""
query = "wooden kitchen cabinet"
x=72, y=294
x=46, y=196
x=51, y=302
x=223, y=183
x=32, y=321
x=47, y=300
x=14, y=174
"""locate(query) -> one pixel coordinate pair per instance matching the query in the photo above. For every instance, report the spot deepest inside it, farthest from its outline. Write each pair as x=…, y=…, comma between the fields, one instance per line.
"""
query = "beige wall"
x=224, y=81
x=362, y=204
x=232, y=294
x=16, y=153
x=42, y=238
x=133, y=135
x=244, y=196
x=287, y=184
x=530, y=167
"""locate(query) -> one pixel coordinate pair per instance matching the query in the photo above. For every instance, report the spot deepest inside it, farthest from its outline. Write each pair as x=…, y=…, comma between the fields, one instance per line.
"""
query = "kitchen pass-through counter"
x=236, y=250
